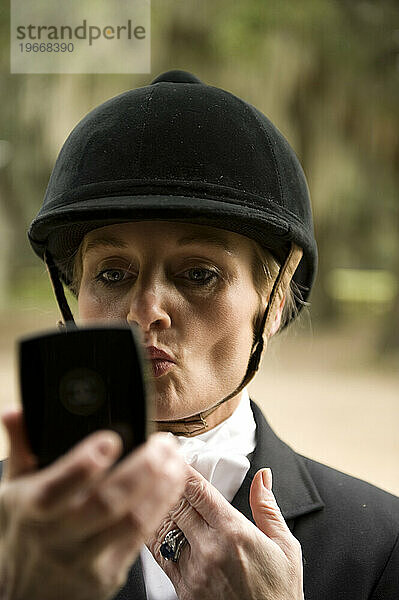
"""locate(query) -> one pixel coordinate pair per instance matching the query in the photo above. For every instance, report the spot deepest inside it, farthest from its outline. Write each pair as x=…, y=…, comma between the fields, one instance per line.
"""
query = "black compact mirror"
x=77, y=381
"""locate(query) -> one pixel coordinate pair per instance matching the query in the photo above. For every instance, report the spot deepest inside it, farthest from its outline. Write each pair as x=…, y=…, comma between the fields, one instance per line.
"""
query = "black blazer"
x=348, y=529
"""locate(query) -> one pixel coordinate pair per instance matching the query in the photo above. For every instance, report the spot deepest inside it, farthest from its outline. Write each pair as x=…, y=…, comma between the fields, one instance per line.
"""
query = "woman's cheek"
x=230, y=337
x=94, y=306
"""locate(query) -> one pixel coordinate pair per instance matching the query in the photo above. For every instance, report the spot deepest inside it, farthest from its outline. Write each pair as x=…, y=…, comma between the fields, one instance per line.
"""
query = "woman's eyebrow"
x=100, y=242
x=208, y=239
x=114, y=242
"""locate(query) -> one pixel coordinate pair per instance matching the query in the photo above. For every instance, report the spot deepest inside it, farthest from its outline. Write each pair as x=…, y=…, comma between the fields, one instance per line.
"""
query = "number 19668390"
x=47, y=47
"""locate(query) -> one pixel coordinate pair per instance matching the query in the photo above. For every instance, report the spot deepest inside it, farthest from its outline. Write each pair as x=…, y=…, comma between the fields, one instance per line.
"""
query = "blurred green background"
x=327, y=74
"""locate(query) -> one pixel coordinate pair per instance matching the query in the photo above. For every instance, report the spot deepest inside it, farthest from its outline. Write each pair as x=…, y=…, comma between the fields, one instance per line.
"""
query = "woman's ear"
x=275, y=325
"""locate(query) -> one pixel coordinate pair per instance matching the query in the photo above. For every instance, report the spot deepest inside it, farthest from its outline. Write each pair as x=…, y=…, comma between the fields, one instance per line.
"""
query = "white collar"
x=220, y=454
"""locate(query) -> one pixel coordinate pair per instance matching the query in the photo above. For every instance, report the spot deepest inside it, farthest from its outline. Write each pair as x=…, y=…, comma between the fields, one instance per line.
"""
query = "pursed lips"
x=161, y=361
x=155, y=353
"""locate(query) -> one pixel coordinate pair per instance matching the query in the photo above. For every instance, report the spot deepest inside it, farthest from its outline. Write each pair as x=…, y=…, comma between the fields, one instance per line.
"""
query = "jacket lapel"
x=134, y=588
x=293, y=487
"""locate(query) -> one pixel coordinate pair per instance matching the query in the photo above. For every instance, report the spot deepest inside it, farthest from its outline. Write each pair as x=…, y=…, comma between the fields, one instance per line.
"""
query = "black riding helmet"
x=178, y=150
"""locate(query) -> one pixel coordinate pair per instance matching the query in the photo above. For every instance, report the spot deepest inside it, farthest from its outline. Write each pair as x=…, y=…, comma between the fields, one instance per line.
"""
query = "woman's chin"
x=171, y=409
x=163, y=413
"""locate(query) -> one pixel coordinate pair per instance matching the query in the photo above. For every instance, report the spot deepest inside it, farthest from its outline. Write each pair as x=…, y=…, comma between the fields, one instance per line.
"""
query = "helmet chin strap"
x=59, y=293
x=196, y=424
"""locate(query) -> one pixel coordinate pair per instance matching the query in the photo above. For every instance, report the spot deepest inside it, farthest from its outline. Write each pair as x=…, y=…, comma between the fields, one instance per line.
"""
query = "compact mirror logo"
x=80, y=36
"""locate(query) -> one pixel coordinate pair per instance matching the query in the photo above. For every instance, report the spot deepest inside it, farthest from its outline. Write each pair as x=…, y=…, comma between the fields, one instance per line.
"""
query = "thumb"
x=21, y=460
x=265, y=510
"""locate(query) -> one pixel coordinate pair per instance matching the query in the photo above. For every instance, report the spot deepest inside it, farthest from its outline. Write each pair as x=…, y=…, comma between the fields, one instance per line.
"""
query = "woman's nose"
x=147, y=310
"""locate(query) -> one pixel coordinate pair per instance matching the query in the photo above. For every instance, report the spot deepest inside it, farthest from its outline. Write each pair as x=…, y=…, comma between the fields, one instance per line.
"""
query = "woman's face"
x=189, y=289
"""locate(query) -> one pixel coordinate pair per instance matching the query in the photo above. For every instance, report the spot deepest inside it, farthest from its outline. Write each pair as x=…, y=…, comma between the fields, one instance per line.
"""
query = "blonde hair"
x=265, y=269
x=77, y=270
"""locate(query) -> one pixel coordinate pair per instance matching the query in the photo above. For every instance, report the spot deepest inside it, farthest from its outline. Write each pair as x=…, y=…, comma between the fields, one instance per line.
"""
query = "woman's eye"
x=111, y=276
x=195, y=275
x=201, y=276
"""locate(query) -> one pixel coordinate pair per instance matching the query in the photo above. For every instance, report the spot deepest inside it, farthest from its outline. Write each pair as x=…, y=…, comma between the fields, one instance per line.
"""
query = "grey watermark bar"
x=80, y=36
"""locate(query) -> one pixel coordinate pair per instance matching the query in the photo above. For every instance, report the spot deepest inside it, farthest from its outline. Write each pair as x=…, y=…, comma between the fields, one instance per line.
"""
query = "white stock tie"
x=220, y=455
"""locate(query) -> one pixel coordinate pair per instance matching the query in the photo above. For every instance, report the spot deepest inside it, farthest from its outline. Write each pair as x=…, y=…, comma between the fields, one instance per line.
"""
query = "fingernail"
x=267, y=478
x=108, y=444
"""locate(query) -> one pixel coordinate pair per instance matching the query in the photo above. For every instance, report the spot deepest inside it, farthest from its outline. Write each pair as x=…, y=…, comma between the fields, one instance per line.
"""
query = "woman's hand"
x=72, y=530
x=226, y=555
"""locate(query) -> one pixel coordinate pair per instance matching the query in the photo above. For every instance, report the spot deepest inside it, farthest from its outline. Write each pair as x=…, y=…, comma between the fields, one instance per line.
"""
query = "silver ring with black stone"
x=172, y=545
